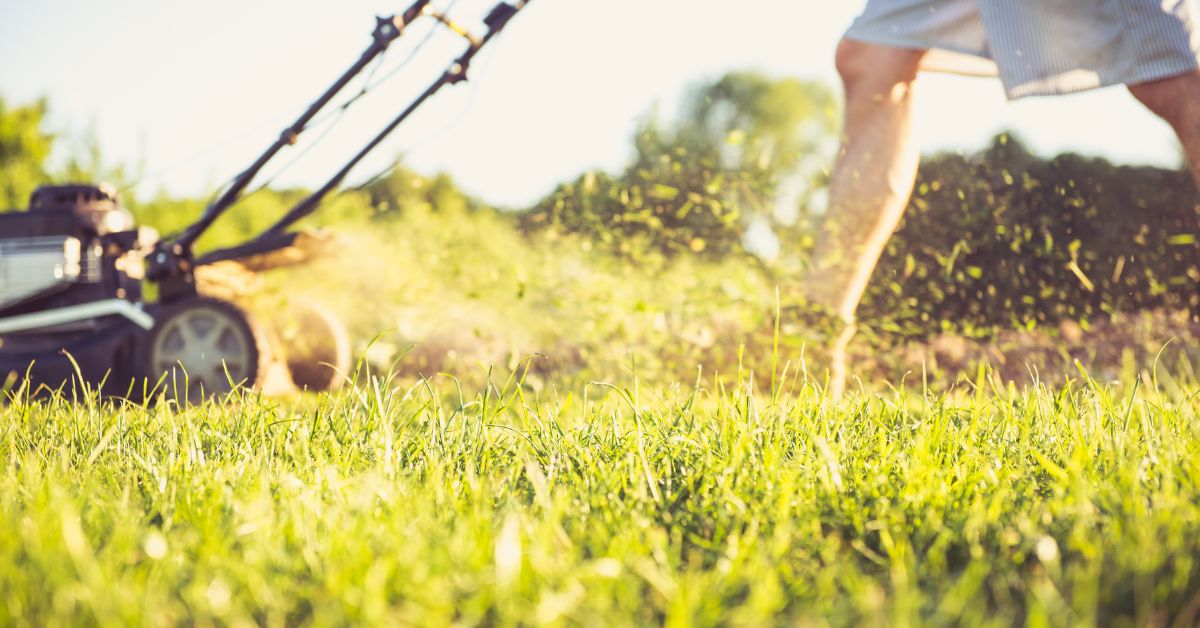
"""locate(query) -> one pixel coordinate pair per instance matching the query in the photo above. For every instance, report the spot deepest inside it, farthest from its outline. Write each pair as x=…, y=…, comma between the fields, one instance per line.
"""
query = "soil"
x=1107, y=350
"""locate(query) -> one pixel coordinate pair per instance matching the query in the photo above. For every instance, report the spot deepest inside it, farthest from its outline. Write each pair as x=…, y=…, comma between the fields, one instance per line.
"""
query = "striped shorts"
x=1041, y=47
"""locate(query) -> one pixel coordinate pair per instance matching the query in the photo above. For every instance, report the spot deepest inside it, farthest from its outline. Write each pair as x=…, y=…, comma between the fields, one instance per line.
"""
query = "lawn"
x=541, y=434
x=722, y=502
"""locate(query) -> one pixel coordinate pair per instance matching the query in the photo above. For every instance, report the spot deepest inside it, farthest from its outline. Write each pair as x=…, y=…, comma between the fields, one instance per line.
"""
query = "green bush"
x=1004, y=238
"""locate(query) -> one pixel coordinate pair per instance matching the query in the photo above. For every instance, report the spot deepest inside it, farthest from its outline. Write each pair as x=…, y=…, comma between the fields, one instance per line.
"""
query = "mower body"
x=70, y=289
x=78, y=314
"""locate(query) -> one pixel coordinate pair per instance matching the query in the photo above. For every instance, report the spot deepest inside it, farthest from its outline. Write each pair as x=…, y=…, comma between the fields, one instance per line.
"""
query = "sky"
x=188, y=94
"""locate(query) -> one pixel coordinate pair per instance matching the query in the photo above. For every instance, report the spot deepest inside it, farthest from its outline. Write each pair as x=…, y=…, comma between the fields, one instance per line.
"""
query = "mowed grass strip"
x=682, y=505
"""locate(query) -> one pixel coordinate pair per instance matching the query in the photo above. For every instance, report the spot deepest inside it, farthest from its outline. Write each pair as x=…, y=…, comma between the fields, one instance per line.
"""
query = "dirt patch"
x=1106, y=349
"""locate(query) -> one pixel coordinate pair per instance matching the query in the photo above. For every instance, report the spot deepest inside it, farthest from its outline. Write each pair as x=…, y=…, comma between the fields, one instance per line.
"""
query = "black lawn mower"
x=88, y=297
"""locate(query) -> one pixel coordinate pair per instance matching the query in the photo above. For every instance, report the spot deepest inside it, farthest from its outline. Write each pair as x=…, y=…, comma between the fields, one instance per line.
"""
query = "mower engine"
x=59, y=243
x=33, y=267
x=70, y=283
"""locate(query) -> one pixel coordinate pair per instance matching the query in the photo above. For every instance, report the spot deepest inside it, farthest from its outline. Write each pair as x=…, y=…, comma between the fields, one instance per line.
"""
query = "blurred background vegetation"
x=683, y=258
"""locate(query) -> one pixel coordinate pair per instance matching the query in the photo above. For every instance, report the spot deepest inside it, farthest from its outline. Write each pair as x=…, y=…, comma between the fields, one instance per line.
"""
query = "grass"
x=729, y=494
x=685, y=505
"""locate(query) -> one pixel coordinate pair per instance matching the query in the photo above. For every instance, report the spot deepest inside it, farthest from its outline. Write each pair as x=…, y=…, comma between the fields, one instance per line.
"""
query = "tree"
x=24, y=147
x=766, y=130
x=699, y=183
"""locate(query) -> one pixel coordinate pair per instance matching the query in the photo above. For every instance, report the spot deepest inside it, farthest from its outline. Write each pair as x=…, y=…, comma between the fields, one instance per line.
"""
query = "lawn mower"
x=90, y=300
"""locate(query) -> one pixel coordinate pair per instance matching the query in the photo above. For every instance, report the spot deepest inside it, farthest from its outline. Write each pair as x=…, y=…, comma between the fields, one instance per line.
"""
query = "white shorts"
x=1041, y=47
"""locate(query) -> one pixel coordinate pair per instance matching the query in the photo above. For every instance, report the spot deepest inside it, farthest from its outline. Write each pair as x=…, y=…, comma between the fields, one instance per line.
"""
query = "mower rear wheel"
x=316, y=344
x=203, y=347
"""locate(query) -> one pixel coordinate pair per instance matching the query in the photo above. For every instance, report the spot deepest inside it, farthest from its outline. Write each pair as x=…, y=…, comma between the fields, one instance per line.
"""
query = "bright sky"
x=195, y=90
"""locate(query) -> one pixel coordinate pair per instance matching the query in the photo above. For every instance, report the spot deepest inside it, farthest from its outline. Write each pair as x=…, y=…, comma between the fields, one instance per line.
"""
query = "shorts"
x=1041, y=47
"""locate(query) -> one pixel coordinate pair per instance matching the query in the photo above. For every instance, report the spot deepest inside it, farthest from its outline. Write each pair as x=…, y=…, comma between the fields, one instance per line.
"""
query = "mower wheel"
x=315, y=343
x=203, y=347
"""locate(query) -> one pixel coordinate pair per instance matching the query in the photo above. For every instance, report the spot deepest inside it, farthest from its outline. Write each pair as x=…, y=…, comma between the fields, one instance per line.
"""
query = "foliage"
x=1005, y=238
x=696, y=186
x=248, y=217
x=24, y=147
x=402, y=189
x=385, y=200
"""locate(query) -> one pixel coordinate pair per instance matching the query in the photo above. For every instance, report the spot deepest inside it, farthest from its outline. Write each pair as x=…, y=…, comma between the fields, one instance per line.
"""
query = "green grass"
x=689, y=491
x=642, y=504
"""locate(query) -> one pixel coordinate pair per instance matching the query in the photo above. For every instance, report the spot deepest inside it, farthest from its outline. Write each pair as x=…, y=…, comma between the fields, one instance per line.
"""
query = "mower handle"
x=175, y=261
x=496, y=20
x=172, y=259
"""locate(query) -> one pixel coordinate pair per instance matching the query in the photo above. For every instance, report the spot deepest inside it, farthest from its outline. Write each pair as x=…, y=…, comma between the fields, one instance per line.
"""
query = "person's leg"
x=1177, y=100
x=871, y=182
x=873, y=176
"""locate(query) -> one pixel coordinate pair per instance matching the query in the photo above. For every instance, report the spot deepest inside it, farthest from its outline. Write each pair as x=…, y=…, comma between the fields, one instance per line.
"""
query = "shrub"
x=1005, y=238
